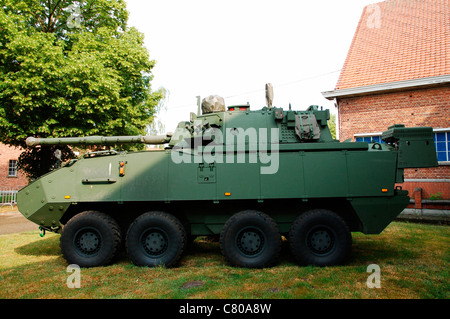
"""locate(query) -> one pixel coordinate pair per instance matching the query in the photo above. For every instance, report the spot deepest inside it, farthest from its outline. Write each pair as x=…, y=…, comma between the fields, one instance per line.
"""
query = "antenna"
x=269, y=95
x=198, y=104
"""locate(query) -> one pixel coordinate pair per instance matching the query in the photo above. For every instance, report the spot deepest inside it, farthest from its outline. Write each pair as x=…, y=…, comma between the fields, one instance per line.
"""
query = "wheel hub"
x=155, y=242
x=320, y=240
x=88, y=241
x=250, y=241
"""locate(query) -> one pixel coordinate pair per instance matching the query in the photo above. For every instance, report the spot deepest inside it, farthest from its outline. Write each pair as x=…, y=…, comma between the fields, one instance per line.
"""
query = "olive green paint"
x=347, y=177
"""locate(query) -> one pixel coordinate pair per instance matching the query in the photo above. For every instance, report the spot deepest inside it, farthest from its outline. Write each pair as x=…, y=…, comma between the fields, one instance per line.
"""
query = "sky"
x=233, y=48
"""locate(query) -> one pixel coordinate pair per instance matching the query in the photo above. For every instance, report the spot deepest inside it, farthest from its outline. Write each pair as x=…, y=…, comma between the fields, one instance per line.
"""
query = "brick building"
x=10, y=177
x=397, y=71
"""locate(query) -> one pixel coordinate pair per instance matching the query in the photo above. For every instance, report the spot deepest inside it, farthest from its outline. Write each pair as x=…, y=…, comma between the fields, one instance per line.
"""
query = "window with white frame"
x=441, y=141
x=12, y=168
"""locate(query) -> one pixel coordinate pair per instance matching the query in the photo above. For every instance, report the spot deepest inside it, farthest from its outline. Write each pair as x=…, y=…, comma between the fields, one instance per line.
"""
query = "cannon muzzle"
x=100, y=140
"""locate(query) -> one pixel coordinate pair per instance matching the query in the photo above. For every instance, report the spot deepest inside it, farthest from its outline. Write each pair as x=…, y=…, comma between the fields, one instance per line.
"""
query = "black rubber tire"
x=90, y=239
x=320, y=237
x=250, y=239
x=156, y=239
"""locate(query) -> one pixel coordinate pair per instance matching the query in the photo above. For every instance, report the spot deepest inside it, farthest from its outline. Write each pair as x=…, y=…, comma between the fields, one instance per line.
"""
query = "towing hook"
x=42, y=231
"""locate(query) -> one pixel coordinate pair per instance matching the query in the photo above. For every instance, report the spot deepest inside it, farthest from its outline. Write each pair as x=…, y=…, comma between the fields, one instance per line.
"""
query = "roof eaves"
x=388, y=87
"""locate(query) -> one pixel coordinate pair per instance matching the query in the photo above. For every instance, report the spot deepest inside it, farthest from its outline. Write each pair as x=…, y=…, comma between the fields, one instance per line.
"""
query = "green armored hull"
x=248, y=176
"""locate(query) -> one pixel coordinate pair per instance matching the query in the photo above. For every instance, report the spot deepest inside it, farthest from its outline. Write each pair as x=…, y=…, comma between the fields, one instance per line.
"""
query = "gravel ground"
x=11, y=221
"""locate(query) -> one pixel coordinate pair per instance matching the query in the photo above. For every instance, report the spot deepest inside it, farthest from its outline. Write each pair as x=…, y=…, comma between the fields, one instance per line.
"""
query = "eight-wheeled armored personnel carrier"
x=250, y=176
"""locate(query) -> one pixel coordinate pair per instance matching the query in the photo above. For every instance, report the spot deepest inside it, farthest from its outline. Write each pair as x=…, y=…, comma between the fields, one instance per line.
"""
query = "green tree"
x=332, y=125
x=71, y=68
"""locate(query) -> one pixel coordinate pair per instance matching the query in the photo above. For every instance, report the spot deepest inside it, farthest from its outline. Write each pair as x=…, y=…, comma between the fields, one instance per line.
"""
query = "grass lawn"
x=414, y=261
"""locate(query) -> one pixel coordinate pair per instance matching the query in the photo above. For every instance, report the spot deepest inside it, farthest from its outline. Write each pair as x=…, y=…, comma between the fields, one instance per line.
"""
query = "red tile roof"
x=398, y=40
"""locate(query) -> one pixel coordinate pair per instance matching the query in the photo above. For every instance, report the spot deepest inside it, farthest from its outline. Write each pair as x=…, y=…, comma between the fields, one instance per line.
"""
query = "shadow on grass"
x=41, y=247
x=209, y=246
x=364, y=250
x=372, y=250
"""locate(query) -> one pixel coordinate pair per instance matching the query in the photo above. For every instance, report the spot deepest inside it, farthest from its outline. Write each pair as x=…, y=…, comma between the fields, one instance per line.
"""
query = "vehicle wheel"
x=90, y=239
x=250, y=239
x=156, y=238
x=320, y=237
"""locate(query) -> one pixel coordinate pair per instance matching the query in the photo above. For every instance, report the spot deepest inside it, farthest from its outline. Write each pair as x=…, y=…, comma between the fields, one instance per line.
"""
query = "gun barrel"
x=99, y=140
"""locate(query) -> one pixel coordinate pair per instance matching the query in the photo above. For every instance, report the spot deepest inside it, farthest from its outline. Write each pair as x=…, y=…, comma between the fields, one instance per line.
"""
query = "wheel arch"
x=340, y=206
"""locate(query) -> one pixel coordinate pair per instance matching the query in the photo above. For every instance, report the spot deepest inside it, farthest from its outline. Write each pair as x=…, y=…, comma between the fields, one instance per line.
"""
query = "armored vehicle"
x=252, y=177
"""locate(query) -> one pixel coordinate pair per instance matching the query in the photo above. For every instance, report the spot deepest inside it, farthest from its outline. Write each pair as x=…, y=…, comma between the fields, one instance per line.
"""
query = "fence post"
x=8, y=195
x=418, y=198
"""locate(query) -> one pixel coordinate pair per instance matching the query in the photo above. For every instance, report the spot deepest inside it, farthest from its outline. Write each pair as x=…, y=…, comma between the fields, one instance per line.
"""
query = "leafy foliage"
x=332, y=125
x=70, y=68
